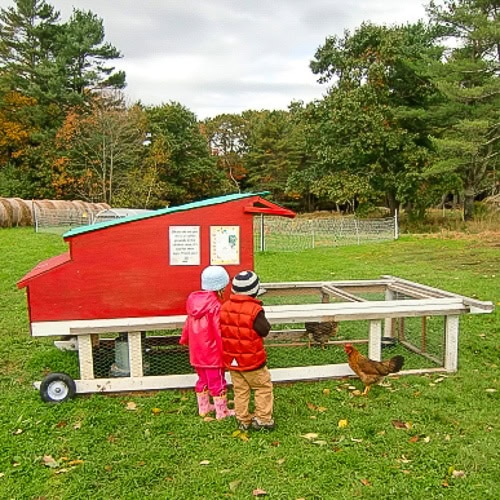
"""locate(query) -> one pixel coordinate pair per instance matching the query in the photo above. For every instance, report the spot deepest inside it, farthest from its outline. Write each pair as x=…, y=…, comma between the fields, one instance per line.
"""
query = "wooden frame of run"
x=381, y=315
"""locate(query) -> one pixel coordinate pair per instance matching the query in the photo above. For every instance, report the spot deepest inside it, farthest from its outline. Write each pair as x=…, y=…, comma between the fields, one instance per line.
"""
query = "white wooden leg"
x=388, y=322
x=135, y=354
x=85, y=357
x=374, y=347
x=451, y=343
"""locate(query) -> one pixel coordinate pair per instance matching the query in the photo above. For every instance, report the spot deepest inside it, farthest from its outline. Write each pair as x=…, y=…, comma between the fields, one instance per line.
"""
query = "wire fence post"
x=313, y=243
x=396, y=225
x=262, y=237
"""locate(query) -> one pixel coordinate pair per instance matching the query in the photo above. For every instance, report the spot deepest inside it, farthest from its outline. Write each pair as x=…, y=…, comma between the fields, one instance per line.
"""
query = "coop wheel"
x=57, y=387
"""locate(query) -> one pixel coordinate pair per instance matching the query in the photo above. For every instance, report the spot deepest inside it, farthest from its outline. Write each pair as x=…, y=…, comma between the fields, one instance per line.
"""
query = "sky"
x=227, y=56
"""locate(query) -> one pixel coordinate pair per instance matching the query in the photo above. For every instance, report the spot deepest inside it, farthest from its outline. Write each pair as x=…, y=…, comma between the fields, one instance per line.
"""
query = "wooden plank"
x=342, y=294
x=135, y=354
x=476, y=306
x=276, y=315
x=412, y=292
x=374, y=342
x=451, y=343
x=85, y=357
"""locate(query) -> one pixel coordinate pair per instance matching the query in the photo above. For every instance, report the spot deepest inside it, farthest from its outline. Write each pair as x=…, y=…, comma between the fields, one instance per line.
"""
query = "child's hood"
x=200, y=303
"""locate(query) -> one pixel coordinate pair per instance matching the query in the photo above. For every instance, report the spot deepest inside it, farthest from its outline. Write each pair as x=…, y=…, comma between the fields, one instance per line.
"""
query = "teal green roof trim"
x=162, y=211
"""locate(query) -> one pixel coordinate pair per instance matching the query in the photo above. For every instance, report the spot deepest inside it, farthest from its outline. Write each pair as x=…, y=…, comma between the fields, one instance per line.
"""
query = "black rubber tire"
x=57, y=387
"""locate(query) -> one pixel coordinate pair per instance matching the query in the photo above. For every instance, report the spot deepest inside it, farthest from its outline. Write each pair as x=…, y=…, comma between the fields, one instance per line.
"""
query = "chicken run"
x=384, y=317
x=122, y=316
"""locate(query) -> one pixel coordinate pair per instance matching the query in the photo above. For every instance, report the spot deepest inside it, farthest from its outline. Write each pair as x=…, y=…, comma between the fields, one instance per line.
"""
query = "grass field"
x=418, y=437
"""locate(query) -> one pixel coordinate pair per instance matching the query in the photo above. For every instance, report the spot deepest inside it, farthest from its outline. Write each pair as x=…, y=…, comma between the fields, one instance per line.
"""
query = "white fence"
x=280, y=234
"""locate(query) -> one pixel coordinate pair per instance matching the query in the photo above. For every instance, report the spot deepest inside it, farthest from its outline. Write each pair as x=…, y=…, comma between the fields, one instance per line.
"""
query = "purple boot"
x=204, y=405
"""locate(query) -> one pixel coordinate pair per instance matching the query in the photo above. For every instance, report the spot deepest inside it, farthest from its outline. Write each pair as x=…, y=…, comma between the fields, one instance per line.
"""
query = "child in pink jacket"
x=201, y=332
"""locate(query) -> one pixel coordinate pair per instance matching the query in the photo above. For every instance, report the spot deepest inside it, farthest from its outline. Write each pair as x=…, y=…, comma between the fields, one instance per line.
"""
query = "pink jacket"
x=201, y=330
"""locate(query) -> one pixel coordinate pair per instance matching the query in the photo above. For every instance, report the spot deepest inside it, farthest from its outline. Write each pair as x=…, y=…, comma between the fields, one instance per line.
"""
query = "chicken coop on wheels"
x=117, y=297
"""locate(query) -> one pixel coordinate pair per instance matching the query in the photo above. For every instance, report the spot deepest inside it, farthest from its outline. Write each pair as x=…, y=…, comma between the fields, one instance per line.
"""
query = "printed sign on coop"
x=184, y=245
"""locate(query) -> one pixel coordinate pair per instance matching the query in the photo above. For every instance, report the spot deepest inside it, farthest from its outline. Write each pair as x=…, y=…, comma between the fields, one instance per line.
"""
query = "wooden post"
x=423, y=345
x=135, y=354
x=401, y=324
x=451, y=343
x=374, y=346
x=389, y=322
x=85, y=357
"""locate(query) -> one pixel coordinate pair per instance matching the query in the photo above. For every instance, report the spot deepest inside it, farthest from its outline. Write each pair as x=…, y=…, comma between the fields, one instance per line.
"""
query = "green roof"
x=163, y=211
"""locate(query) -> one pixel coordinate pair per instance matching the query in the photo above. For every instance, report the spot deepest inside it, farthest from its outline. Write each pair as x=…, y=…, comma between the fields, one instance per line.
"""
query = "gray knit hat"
x=214, y=278
x=246, y=283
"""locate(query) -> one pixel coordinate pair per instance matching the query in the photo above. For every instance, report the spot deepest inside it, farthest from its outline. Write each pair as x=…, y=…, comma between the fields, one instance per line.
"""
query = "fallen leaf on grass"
x=342, y=423
x=259, y=493
x=75, y=462
x=233, y=485
x=208, y=419
x=281, y=461
x=49, y=461
x=319, y=443
x=155, y=411
x=398, y=424
x=240, y=435
x=458, y=473
x=77, y=426
x=108, y=468
x=326, y=391
x=17, y=432
x=131, y=406
x=61, y=471
x=414, y=439
x=356, y=392
x=426, y=439
x=355, y=440
x=309, y=435
x=365, y=482
x=491, y=390
x=204, y=462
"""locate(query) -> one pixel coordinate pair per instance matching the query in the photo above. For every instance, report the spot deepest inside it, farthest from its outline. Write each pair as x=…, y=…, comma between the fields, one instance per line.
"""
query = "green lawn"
x=419, y=437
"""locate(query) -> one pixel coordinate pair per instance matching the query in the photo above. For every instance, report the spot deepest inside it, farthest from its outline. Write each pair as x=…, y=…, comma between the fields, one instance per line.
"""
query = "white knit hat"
x=246, y=283
x=214, y=278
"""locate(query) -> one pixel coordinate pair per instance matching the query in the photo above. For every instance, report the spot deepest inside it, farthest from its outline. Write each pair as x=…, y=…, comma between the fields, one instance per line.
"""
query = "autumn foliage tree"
x=98, y=148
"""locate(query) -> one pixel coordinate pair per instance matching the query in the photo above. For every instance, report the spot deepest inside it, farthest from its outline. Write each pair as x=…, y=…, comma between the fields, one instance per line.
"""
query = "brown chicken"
x=320, y=333
x=369, y=371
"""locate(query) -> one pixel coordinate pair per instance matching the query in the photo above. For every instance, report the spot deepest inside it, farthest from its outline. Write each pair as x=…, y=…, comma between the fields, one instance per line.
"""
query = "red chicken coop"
x=117, y=297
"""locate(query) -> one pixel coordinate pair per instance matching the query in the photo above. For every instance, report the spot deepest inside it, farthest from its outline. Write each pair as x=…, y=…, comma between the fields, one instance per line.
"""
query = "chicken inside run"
x=316, y=326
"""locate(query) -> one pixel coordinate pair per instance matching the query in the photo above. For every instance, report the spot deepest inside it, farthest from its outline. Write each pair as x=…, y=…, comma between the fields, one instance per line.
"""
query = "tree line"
x=409, y=116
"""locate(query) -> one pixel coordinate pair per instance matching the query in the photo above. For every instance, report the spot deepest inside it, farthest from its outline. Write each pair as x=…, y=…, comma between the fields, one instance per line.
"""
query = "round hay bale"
x=21, y=214
x=6, y=213
x=26, y=215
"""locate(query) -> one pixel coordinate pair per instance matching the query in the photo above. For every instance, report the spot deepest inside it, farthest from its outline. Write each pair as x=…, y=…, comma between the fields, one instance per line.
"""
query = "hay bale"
x=21, y=213
x=6, y=213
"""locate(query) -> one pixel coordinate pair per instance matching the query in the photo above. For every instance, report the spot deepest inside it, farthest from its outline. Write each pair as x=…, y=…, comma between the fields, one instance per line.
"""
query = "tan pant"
x=244, y=383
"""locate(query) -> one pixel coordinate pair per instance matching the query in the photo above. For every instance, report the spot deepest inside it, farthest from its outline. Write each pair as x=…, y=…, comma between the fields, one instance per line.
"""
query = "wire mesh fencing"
x=59, y=216
x=280, y=234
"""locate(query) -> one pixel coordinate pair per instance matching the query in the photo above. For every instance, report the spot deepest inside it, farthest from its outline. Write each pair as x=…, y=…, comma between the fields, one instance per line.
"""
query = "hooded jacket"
x=201, y=330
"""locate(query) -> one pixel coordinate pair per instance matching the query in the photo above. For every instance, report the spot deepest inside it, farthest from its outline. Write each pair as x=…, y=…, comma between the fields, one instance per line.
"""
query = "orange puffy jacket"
x=243, y=348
